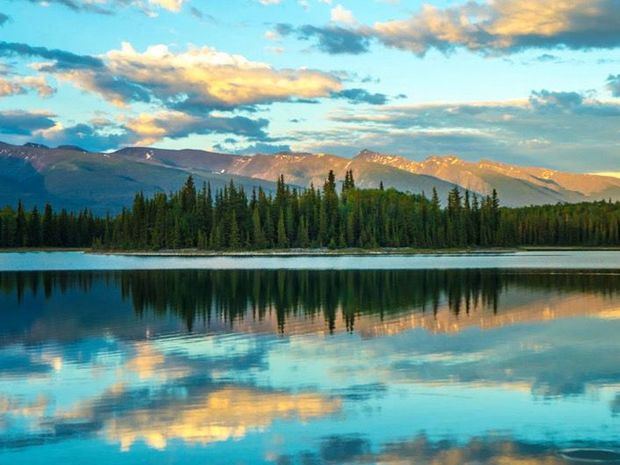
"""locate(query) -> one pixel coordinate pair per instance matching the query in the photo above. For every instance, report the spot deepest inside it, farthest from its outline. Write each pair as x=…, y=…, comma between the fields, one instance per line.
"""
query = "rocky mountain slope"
x=517, y=185
x=71, y=177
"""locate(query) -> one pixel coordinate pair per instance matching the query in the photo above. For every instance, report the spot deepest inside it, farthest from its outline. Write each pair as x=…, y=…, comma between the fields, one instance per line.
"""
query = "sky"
x=532, y=82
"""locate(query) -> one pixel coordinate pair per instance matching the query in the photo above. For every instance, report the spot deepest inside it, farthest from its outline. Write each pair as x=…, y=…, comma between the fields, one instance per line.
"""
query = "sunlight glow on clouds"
x=506, y=25
x=318, y=74
x=108, y=7
x=21, y=85
x=198, y=78
x=151, y=128
x=489, y=27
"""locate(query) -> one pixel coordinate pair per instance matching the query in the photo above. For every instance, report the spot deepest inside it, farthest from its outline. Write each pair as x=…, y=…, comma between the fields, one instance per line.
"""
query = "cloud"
x=504, y=26
x=21, y=85
x=196, y=80
x=62, y=59
x=339, y=14
x=25, y=123
x=91, y=136
x=143, y=129
x=109, y=7
x=150, y=128
x=549, y=128
x=571, y=103
x=489, y=27
x=272, y=35
x=356, y=96
x=259, y=147
x=170, y=5
x=330, y=39
x=613, y=83
x=185, y=88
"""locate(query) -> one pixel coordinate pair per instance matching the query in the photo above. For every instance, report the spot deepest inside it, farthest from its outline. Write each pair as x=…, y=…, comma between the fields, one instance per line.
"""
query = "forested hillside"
x=336, y=217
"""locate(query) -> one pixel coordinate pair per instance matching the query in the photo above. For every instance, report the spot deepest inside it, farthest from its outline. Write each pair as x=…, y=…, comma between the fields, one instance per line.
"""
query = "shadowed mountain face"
x=72, y=177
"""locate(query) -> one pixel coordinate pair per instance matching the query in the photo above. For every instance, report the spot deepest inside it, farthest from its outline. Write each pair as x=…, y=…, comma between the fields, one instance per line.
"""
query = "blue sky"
x=523, y=81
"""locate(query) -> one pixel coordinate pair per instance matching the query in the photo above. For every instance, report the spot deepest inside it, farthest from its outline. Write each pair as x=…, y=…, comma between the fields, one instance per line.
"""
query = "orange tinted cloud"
x=199, y=77
x=505, y=25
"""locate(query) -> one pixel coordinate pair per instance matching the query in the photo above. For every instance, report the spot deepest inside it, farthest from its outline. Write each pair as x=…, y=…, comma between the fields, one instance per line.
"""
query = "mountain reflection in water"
x=437, y=367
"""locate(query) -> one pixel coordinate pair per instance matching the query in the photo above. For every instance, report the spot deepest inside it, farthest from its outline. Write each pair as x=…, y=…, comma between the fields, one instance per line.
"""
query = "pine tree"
x=20, y=226
x=234, y=241
x=312, y=218
x=282, y=237
x=303, y=237
x=259, y=241
x=48, y=229
x=34, y=229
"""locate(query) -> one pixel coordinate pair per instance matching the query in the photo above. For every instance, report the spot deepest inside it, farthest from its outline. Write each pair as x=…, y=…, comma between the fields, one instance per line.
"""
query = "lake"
x=65, y=261
x=443, y=360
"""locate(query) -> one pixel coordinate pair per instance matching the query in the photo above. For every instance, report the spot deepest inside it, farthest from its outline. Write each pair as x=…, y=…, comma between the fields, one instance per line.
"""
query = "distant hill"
x=516, y=185
x=72, y=177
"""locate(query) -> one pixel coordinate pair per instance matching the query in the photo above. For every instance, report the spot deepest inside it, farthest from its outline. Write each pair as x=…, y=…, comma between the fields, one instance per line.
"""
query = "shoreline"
x=323, y=252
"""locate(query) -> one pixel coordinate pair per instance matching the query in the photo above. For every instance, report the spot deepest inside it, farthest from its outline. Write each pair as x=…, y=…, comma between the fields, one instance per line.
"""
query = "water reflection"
x=240, y=299
x=310, y=367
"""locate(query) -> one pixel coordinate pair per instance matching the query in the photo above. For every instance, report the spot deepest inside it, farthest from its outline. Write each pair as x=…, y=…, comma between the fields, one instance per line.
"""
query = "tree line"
x=330, y=216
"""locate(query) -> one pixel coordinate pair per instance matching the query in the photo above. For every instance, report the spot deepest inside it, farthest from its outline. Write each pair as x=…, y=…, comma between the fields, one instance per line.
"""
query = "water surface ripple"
x=391, y=366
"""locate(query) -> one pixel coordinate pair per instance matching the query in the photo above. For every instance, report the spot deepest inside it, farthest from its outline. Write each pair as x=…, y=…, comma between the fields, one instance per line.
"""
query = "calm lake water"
x=419, y=366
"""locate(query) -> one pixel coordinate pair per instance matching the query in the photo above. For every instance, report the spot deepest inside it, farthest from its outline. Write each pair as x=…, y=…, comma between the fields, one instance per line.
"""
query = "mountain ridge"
x=73, y=177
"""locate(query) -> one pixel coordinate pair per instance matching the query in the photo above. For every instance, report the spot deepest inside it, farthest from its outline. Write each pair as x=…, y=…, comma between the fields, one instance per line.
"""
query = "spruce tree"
x=20, y=226
x=34, y=229
x=282, y=237
x=258, y=234
x=48, y=229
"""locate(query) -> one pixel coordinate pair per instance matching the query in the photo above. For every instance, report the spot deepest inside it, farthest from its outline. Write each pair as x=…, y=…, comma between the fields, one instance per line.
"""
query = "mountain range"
x=71, y=177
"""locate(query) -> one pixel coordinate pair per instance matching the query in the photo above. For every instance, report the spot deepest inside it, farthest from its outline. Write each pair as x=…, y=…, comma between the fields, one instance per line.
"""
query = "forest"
x=336, y=215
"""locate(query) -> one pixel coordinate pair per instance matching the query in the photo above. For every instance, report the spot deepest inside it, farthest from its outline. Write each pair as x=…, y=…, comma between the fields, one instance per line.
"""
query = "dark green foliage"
x=367, y=218
x=19, y=228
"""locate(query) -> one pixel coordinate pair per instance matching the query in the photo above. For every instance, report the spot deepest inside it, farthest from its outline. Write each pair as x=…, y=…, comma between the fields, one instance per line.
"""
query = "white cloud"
x=199, y=76
x=170, y=5
x=272, y=35
x=339, y=14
